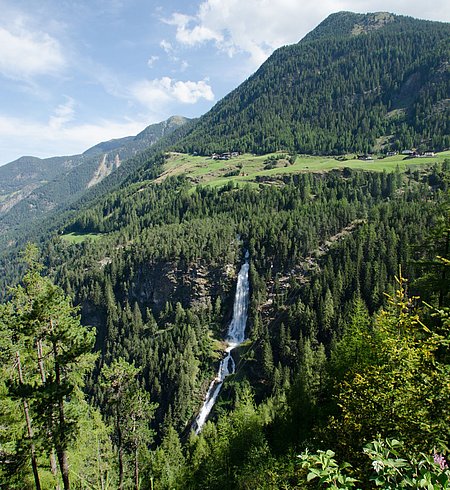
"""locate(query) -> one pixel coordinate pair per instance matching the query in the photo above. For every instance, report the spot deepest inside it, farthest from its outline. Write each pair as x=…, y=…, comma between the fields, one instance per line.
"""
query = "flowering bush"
x=390, y=466
x=394, y=471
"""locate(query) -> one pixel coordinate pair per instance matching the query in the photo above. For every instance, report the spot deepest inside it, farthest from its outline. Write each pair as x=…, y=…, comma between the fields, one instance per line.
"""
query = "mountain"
x=339, y=349
x=356, y=83
x=31, y=187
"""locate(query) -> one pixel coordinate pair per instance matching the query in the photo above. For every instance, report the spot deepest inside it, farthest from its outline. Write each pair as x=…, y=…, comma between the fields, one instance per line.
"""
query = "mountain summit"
x=351, y=24
x=357, y=82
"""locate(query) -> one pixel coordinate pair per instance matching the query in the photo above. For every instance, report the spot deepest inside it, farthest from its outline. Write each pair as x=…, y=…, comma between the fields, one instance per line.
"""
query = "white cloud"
x=192, y=35
x=156, y=93
x=152, y=60
x=152, y=93
x=166, y=46
x=63, y=114
x=190, y=92
x=257, y=27
x=20, y=136
x=25, y=54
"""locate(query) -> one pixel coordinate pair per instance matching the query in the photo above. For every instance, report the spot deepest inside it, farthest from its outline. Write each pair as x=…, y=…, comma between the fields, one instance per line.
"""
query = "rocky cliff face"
x=154, y=284
x=190, y=285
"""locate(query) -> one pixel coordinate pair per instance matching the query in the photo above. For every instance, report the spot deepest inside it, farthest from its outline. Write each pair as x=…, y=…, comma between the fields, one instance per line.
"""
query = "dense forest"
x=357, y=83
x=347, y=350
x=115, y=307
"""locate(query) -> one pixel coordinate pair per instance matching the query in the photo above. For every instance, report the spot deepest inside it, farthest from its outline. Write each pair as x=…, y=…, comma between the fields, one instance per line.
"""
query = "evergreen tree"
x=132, y=411
x=42, y=323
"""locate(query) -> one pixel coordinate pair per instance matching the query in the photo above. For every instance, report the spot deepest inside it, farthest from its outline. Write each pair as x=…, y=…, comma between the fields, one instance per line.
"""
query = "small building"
x=221, y=156
x=365, y=158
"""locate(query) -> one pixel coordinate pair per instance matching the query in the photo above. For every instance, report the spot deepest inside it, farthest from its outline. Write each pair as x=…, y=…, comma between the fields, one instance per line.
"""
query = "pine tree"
x=44, y=325
x=132, y=412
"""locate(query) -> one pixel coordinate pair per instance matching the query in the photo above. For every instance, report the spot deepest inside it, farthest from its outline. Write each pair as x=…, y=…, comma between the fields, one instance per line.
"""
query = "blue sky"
x=77, y=72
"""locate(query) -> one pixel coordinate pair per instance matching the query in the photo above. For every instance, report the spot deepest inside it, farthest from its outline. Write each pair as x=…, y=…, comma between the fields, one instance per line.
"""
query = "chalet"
x=429, y=154
x=408, y=152
x=391, y=153
x=365, y=158
x=221, y=156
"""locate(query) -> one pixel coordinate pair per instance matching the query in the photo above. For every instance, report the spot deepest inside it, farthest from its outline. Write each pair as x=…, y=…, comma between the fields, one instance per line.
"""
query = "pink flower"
x=440, y=460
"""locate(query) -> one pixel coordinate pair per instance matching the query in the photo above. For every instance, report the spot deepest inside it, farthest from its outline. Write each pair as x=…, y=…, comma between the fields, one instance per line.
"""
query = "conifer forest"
x=312, y=307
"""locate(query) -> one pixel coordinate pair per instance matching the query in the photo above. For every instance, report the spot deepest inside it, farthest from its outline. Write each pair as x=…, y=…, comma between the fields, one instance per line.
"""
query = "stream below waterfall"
x=235, y=337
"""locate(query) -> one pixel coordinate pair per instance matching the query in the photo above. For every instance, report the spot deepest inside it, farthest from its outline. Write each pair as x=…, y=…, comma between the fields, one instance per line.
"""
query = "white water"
x=235, y=336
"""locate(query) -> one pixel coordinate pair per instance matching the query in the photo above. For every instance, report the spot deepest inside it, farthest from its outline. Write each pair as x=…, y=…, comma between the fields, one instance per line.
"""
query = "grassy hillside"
x=249, y=168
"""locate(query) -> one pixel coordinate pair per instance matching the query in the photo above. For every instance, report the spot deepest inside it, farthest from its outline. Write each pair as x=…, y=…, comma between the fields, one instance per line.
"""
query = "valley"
x=258, y=298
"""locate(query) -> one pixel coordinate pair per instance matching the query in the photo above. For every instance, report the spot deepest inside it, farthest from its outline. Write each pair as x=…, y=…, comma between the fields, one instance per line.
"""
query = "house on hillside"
x=365, y=158
x=222, y=156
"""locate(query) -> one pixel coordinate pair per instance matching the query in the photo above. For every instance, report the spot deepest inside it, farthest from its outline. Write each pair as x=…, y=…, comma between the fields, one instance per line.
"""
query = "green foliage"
x=233, y=453
x=168, y=464
x=391, y=467
x=394, y=469
x=132, y=412
x=323, y=467
x=405, y=391
x=351, y=353
x=92, y=460
x=49, y=352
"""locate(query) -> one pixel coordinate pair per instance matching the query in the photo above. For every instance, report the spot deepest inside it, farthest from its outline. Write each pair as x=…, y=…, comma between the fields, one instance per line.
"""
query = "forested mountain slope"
x=354, y=84
x=32, y=187
x=156, y=280
x=348, y=324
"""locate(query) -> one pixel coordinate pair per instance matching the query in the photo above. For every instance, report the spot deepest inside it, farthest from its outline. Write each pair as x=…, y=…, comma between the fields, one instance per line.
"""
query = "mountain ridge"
x=54, y=181
x=323, y=95
x=333, y=92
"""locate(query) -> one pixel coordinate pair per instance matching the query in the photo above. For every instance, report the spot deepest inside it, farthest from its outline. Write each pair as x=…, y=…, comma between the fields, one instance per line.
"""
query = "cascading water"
x=235, y=336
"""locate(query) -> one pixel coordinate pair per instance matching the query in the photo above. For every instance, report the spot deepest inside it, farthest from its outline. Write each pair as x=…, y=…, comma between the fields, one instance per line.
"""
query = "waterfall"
x=235, y=337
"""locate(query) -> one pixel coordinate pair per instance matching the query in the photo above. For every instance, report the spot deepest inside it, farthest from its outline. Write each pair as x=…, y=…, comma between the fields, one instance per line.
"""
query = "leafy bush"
x=392, y=468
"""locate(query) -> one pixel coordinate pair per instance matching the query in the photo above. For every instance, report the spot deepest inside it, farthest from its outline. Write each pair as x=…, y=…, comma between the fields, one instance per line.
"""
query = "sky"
x=74, y=73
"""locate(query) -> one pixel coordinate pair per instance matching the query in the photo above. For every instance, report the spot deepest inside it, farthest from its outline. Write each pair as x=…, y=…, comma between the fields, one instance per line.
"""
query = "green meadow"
x=246, y=168
x=80, y=237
